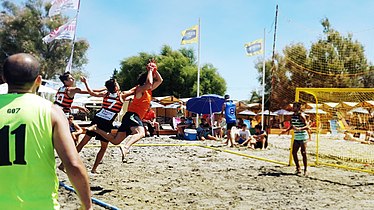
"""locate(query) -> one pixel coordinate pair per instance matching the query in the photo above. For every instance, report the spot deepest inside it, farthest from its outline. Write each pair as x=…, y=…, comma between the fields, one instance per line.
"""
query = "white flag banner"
x=62, y=5
x=65, y=31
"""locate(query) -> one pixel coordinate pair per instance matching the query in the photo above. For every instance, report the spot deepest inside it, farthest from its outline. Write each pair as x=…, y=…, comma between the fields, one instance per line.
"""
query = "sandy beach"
x=180, y=175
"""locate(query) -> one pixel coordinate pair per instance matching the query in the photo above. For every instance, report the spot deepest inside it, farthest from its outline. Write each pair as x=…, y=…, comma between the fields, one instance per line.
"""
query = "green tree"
x=333, y=60
x=22, y=29
x=179, y=71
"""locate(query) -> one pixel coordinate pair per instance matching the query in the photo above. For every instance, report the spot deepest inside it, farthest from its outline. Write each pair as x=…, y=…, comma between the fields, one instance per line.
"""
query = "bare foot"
x=298, y=171
x=94, y=171
x=92, y=128
x=305, y=173
x=124, y=151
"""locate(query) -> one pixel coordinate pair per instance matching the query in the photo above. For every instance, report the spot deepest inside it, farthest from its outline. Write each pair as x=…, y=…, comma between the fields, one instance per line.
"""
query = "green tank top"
x=28, y=177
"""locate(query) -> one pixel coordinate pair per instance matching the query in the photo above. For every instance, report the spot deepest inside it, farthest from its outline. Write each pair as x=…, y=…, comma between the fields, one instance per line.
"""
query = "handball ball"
x=152, y=66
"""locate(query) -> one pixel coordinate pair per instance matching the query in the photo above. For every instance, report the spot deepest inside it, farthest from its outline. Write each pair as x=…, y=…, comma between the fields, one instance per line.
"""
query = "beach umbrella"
x=314, y=111
x=247, y=112
x=267, y=113
x=206, y=104
x=283, y=112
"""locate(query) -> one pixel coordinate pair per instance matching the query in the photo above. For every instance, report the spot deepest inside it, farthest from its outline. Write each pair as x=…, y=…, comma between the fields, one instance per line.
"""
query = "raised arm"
x=65, y=148
x=90, y=91
x=148, y=84
x=157, y=80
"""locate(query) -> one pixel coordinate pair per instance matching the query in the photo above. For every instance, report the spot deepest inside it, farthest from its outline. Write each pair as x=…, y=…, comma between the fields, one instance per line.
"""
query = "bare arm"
x=288, y=129
x=125, y=94
x=223, y=108
x=90, y=91
x=65, y=148
x=157, y=80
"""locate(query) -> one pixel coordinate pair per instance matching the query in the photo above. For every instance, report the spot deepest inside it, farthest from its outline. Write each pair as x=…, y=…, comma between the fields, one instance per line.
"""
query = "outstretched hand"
x=83, y=79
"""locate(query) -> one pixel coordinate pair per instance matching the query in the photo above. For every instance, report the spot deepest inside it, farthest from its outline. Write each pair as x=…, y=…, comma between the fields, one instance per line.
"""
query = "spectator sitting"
x=351, y=137
x=219, y=127
x=181, y=126
x=261, y=137
x=75, y=129
x=204, y=131
x=150, y=121
x=244, y=137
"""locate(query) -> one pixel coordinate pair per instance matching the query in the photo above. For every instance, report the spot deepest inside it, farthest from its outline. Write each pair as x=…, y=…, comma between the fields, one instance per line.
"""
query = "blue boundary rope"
x=94, y=200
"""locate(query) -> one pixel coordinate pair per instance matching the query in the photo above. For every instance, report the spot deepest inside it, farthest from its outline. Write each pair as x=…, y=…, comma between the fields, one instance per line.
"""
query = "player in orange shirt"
x=132, y=125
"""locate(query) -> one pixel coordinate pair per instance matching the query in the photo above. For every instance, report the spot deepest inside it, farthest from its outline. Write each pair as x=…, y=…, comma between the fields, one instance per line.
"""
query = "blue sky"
x=118, y=29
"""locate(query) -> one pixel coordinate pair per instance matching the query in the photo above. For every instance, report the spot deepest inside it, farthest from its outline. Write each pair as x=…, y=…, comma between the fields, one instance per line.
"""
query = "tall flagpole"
x=70, y=63
x=198, y=70
x=263, y=83
x=198, y=62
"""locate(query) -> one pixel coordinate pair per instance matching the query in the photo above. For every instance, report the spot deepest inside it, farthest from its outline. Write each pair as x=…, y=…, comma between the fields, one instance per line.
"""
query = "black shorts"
x=230, y=125
x=105, y=125
x=131, y=119
x=298, y=143
x=258, y=144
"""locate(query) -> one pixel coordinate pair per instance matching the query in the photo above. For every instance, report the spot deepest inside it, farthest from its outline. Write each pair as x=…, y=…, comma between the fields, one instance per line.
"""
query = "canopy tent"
x=156, y=105
x=165, y=100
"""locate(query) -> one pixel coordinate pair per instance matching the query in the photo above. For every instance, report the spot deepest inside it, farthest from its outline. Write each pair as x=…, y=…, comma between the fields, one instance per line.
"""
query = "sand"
x=193, y=177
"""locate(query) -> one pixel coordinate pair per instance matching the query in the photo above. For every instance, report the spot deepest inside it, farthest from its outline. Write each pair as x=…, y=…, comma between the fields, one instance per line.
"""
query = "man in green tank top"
x=30, y=129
